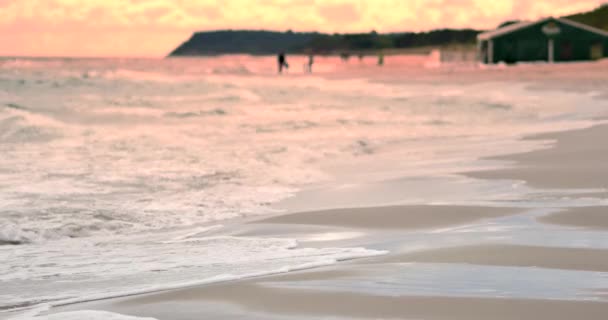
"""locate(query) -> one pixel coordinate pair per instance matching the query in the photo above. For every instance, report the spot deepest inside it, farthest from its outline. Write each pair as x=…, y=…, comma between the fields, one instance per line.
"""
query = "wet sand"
x=394, y=217
x=320, y=303
x=578, y=159
x=589, y=217
x=512, y=255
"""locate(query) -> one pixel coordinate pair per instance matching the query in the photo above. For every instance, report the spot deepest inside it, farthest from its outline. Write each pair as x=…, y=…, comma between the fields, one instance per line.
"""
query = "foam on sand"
x=103, y=268
x=82, y=315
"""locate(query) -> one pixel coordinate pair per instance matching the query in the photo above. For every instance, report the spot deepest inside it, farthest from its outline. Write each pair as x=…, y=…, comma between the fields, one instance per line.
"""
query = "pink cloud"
x=107, y=27
x=339, y=13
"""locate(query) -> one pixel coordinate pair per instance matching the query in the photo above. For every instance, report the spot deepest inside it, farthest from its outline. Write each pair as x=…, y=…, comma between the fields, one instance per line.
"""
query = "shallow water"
x=465, y=280
x=112, y=170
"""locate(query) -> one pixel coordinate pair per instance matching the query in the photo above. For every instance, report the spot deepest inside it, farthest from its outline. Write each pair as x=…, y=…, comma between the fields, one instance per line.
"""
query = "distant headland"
x=262, y=42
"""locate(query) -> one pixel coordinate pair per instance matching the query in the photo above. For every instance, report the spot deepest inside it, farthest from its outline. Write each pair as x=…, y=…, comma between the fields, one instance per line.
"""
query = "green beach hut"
x=549, y=39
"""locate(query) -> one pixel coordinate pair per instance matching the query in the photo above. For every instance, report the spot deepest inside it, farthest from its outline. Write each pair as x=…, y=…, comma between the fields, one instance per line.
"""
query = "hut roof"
x=525, y=24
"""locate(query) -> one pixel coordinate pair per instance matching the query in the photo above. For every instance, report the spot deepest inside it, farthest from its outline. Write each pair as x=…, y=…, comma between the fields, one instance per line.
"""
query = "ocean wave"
x=498, y=105
x=130, y=75
x=284, y=126
x=199, y=113
x=15, y=106
x=235, y=70
x=438, y=122
x=19, y=124
x=362, y=147
x=17, y=63
x=13, y=234
x=9, y=242
x=100, y=269
x=15, y=129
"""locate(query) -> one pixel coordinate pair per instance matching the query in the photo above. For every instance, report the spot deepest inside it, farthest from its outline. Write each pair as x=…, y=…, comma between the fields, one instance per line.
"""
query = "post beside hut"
x=551, y=30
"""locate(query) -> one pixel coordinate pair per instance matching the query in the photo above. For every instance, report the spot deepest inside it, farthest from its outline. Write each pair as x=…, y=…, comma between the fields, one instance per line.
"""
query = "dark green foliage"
x=269, y=42
x=434, y=38
x=508, y=23
x=252, y=42
x=597, y=18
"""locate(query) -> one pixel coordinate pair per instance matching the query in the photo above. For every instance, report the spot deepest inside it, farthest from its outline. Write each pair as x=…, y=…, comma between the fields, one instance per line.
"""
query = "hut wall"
x=531, y=44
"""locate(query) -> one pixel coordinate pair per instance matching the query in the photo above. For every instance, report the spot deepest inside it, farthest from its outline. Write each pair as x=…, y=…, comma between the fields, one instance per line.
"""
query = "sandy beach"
x=275, y=297
x=590, y=217
x=304, y=160
x=516, y=236
x=338, y=304
x=512, y=255
x=577, y=159
x=397, y=217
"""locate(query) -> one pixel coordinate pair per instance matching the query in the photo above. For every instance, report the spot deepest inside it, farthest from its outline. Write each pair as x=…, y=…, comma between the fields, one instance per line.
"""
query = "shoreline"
x=574, y=161
x=255, y=294
x=577, y=160
x=322, y=304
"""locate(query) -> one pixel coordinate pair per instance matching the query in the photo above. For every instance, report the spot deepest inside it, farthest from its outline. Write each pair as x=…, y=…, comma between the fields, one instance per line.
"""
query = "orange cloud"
x=154, y=27
x=342, y=13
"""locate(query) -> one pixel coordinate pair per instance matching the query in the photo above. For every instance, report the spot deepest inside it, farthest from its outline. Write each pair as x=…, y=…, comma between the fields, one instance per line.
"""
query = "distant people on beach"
x=311, y=61
x=381, y=59
x=282, y=62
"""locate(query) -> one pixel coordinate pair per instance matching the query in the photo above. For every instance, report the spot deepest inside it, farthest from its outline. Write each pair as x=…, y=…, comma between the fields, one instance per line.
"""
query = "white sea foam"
x=68, y=271
x=82, y=315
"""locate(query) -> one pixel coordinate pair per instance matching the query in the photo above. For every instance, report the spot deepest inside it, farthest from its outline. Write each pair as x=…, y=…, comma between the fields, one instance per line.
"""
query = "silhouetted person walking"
x=311, y=61
x=282, y=62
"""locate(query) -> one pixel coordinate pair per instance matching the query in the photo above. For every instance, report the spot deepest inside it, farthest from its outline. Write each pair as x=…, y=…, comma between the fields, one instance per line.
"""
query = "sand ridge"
x=395, y=217
x=511, y=255
x=587, y=217
x=578, y=159
x=308, y=302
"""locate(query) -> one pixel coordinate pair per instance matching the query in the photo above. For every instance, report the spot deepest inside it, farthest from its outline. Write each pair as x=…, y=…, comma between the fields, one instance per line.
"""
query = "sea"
x=118, y=175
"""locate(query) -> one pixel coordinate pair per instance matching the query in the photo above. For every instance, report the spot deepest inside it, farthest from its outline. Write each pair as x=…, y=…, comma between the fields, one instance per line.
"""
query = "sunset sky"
x=154, y=27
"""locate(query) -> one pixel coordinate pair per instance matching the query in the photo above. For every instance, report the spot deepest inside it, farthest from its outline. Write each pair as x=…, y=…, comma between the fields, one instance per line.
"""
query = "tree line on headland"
x=271, y=42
